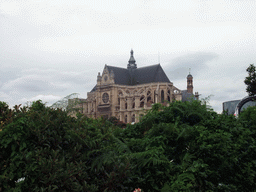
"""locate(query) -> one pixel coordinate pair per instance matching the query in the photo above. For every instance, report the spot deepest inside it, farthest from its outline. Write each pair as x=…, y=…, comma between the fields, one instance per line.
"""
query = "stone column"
x=122, y=104
x=122, y=108
x=137, y=117
x=129, y=103
x=121, y=116
x=129, y=109
x=156, y=96
x=137, y=102
x=89, y=107
x=129, y=118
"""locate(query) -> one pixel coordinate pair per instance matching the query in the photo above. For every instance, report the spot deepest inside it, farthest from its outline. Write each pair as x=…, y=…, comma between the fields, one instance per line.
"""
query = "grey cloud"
x=197, y=62
x=48, y=80
x=68, y=77
x=27, y=84
x=8, y=75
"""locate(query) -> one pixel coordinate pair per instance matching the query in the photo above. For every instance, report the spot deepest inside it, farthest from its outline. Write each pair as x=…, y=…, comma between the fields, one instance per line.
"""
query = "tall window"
x=133, y=118
x=169, y=96
x=125, y=118
x=162, y=96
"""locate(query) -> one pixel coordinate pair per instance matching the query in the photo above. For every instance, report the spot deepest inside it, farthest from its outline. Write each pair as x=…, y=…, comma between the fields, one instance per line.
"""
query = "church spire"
x=190, y=83
x=132, y=63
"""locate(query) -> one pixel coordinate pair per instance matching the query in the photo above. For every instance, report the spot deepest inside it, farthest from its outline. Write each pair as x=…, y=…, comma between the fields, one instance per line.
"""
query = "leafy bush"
x=183, y=147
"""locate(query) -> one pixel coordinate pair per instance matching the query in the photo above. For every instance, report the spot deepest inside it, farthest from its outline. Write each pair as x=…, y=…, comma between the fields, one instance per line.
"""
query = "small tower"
x=132, y=63
x=98, y=79
x=190, y=83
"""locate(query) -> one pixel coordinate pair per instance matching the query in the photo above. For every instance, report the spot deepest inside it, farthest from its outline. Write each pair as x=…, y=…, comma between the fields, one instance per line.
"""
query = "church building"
x=127, y=93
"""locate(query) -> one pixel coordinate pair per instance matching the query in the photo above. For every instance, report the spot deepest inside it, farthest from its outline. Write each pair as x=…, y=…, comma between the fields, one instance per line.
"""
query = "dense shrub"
x=183, y=147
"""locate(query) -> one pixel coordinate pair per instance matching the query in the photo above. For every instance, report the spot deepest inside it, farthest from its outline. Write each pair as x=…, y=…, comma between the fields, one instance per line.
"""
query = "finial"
x=189, y=70
x=131, y=52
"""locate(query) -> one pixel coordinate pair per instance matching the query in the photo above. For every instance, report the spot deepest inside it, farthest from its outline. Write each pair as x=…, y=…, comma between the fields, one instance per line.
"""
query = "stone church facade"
x=127, y=93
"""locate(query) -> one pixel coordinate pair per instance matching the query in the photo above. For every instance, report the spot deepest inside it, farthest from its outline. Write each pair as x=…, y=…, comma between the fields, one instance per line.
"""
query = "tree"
x=250, y=81
x=39, y=152
x=44, y=149
x=183, y=147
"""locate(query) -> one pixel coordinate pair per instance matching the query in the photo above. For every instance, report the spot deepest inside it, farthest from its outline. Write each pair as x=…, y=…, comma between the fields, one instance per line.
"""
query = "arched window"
x=162, y=96
x=155, y=99
x=133, y=105
x=125, y=105
x=133, y=118
x=125, y=118
x=169, y=96
x=142, y=101
x=118, y=101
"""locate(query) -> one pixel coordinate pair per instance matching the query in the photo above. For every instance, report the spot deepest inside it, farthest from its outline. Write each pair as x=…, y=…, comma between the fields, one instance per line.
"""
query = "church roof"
x=122, y=76
x=186, y=96
x=134, y=76
x=149, y=74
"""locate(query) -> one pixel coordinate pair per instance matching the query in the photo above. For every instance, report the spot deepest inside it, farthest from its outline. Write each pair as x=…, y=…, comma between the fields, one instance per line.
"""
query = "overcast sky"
x=52, y=48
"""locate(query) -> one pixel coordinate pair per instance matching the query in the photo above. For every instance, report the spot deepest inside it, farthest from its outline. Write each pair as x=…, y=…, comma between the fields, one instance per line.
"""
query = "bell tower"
x=132, y=63
x=190, y=83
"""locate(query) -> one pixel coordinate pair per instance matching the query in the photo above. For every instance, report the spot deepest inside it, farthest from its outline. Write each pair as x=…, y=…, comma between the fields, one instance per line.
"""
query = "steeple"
x=132, y=63
x=190, y=83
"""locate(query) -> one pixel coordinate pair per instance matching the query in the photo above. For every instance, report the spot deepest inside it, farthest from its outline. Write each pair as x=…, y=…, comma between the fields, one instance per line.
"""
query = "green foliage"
x=116, y=122
x=183, y=147
x=4, y=112
x=249, y=117
x=188, y=147
x=37, y=146
x=250, y=81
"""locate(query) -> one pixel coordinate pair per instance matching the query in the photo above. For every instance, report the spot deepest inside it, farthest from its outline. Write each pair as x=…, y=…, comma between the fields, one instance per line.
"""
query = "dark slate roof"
x=149, y=74
x=187, y=96
x=94, y=88
x=122, y=76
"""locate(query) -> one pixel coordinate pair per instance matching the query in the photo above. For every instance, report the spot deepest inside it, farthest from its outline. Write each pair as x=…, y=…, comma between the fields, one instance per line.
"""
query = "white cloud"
x=11, y=8
x=48, y=99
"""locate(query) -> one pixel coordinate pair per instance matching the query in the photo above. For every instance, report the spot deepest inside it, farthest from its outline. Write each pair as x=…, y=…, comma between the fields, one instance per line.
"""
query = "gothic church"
x=126, y=93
